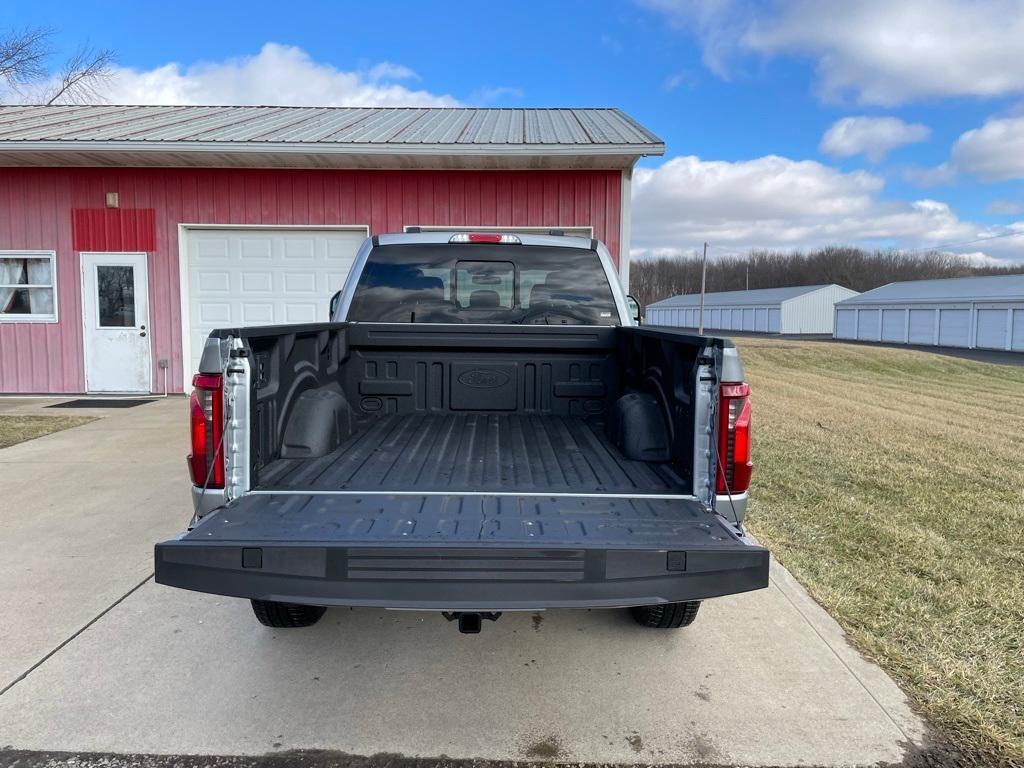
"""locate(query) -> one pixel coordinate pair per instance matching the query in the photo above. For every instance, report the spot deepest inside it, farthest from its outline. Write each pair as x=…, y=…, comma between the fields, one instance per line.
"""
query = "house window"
x=28, y=286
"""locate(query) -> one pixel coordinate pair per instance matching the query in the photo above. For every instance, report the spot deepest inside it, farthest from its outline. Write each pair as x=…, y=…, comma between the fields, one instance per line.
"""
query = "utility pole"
x=703, y=285
x=748, y=275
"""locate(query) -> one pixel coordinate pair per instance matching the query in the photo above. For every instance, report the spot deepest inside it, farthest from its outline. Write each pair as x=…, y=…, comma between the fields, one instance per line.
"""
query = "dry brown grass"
x=889, y=482
x=19, y=428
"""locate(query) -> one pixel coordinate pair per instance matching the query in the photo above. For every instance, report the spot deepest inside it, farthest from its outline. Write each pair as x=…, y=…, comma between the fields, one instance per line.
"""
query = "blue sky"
x=742, y=92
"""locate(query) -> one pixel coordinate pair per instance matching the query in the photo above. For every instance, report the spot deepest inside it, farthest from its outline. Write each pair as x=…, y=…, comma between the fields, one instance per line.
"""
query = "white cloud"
x=873, y=137
x=979, y=259
x=776, y=202
x=888, y=53
x=994, y=152
x=719, y=24
x=499, y=93
x=387, y=70
x=681, y=78
x=935, y=176
x=277, y=75
x=1004, y=208
x=880, y=51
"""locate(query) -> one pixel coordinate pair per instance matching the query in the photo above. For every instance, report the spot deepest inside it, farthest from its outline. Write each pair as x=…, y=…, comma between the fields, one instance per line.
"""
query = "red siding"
x=113, y=229
x=61, y=209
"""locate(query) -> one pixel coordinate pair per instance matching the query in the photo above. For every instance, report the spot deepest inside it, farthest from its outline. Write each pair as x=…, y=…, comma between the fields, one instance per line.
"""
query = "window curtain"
x=10, y=273
x=40, y=300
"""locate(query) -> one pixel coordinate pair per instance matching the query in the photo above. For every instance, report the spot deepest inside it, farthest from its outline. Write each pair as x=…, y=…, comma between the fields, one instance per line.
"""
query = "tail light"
x=206, y=417
x=735, y=465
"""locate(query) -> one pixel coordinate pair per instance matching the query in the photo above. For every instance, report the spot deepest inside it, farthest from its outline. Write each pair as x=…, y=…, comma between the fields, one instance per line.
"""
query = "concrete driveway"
x=98, y=658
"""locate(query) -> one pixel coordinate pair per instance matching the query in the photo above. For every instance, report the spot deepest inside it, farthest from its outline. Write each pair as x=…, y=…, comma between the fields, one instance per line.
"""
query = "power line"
x=959, y=245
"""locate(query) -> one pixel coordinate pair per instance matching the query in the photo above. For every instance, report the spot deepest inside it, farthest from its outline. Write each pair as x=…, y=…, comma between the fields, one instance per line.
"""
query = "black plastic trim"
x=450, y=579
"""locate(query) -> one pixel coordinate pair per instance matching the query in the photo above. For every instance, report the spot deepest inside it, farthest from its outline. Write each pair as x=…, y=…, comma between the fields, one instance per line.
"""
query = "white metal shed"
x=795, y=309
x=969, y=312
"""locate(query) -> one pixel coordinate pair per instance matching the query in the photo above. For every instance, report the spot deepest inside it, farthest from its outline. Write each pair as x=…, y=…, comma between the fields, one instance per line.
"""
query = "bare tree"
x=82, y=75
x=654, y=279
x=23, y=56
x=25, y=70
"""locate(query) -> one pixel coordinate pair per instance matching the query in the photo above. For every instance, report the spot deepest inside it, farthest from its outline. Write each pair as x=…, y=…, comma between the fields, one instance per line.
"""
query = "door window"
x=115, y=295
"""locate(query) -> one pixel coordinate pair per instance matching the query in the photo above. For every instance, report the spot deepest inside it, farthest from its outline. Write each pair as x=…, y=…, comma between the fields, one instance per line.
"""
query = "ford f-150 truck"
x=481, y=427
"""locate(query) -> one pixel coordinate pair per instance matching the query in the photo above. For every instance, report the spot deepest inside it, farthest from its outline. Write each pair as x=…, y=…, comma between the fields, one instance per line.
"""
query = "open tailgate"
x=480, y=552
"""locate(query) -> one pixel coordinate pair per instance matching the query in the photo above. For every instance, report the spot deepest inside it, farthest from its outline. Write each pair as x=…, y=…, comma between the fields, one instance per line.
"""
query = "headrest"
x=484, y=299
x=558, y=281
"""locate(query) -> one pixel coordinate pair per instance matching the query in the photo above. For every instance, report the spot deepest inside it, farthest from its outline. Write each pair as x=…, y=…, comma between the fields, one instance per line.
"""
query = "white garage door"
x=954, y=327
x=894, y=325
x=761, y=319
x=992, y=328
x=262, y=277
x=774, y=316
x=1017, y=337
x=868, y=324
x=846, y=320
x=922, y=326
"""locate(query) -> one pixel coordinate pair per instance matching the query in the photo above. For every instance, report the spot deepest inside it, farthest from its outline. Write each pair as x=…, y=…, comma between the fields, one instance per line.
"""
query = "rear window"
x=480, y=283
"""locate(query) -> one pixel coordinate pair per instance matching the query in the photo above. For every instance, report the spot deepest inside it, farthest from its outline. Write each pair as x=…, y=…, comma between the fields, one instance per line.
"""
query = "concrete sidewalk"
x=760, y=679
x=80, y=511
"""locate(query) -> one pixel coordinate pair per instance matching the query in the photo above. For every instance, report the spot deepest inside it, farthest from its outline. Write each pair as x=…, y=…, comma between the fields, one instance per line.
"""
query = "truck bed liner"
x=415, y=519
x=452, y=452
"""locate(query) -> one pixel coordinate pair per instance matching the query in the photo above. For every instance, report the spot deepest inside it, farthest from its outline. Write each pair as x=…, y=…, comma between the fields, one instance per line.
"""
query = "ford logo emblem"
x=481, y=378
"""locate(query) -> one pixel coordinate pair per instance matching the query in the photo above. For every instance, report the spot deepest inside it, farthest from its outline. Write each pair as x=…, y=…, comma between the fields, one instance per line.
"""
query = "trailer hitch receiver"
x=471, y=622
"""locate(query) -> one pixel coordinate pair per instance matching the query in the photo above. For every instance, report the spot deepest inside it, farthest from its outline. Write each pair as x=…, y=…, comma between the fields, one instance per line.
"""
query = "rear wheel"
x=286, y=615
x=667, y=615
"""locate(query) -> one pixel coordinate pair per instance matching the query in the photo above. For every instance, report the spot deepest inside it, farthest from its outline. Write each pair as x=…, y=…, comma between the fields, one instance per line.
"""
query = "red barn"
x=128, y=232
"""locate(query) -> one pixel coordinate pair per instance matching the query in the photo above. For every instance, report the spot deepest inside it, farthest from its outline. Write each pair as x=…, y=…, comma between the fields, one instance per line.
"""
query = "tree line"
x=653, y=279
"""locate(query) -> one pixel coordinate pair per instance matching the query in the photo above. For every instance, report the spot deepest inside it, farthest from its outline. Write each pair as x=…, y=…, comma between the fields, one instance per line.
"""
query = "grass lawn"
x=890, y=483
x=17, y=428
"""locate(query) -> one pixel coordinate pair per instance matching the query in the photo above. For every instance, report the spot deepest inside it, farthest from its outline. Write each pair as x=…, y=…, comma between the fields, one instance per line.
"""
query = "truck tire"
x=667, y=615
x=286, y=615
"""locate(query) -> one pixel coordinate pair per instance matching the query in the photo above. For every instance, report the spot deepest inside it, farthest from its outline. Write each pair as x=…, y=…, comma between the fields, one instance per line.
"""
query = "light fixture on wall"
x=113, y=200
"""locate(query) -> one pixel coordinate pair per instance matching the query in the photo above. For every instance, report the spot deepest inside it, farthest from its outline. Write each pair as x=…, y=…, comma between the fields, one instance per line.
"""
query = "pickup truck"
x=481, y=427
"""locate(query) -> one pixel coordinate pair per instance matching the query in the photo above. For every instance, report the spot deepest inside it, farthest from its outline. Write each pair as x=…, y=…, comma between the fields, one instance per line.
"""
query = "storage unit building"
x=969, y=312
x=127, y=233
x=797, y=309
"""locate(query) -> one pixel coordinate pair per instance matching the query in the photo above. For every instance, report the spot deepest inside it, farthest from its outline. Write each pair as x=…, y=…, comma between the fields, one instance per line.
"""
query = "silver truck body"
x=363, y=515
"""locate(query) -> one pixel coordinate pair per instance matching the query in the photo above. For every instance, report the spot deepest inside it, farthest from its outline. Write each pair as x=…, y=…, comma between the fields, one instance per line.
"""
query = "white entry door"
x=115, y=307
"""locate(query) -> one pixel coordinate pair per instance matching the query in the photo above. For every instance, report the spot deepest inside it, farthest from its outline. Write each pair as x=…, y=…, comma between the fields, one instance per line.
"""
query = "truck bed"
x=472, y=452
x=470, y=468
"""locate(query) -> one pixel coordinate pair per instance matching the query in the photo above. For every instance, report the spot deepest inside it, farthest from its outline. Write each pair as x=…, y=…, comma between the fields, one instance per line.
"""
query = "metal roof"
x=375, y=130
x=759, y=296
x=987, y=288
